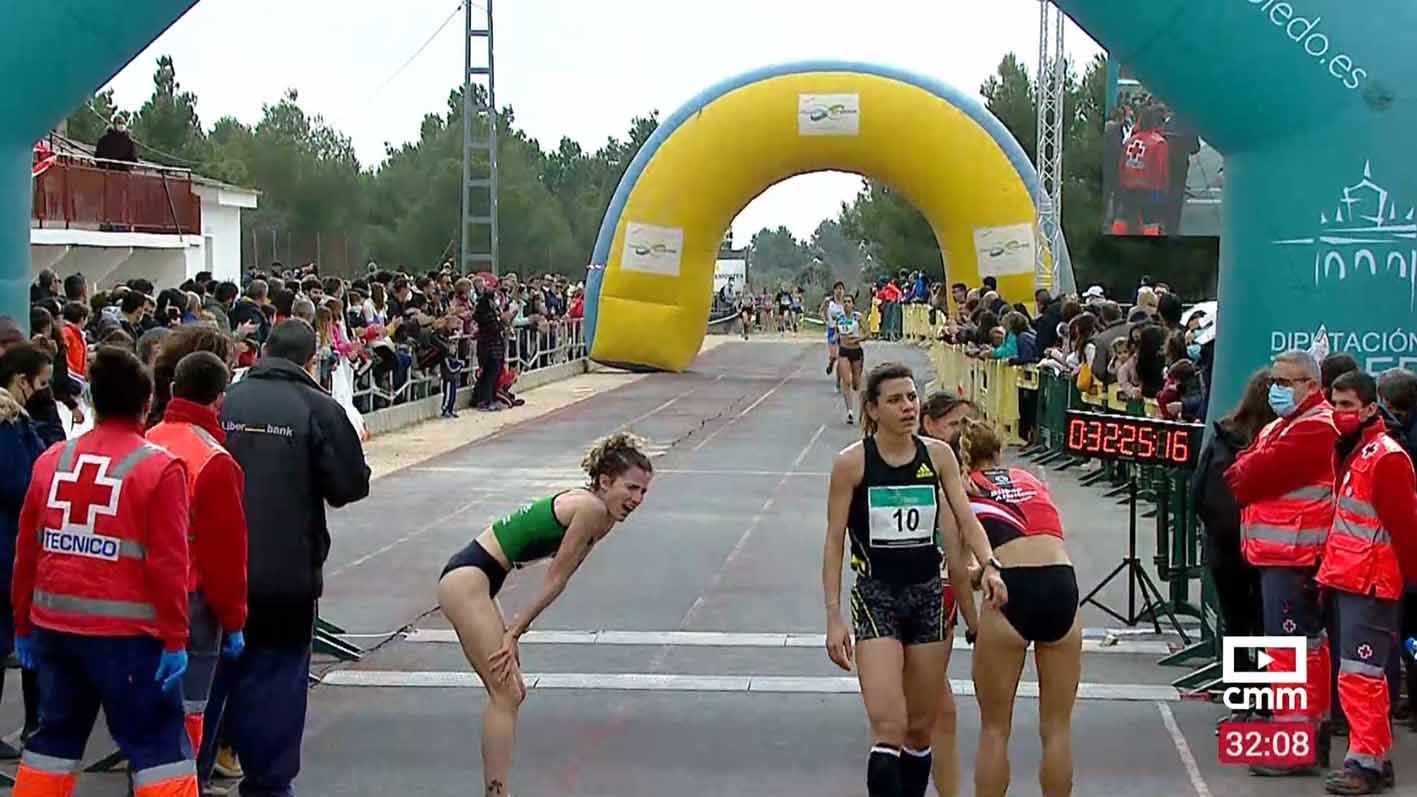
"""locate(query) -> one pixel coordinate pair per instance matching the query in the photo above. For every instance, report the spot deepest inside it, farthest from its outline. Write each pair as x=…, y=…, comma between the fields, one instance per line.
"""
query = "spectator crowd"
x=229, y=414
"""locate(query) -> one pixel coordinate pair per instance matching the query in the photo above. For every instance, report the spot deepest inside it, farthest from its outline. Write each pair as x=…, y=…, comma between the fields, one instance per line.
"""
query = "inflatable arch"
x=1307, y=99
x=650, y=285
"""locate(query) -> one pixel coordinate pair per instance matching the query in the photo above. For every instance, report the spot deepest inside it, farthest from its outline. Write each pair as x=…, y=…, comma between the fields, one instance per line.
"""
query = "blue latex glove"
x=26, y=650
x=232, y=646
x=170, y=669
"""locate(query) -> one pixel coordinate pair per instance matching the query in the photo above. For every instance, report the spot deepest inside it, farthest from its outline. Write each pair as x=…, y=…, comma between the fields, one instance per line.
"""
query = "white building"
x=115, y=225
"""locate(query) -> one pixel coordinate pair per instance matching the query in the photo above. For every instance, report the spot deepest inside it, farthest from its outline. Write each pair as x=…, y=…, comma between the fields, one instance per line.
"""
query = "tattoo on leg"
x=496, y=789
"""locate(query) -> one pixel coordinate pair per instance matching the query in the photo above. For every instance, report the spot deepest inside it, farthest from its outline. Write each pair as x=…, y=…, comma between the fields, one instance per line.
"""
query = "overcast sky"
x=577, y=68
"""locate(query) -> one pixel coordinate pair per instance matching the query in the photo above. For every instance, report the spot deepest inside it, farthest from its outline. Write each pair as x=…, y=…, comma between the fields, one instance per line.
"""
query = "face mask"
x=1349, y=422
x=1193, y=351
x=1281, y=400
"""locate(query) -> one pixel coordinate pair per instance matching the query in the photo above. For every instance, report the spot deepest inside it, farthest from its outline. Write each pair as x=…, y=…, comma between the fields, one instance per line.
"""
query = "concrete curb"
x=393, y=419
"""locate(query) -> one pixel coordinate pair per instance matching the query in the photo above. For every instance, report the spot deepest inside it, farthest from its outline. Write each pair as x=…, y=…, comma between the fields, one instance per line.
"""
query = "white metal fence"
x=392, y=376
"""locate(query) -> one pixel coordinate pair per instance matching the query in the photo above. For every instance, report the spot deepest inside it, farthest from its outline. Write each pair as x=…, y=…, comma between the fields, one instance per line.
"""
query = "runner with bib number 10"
x=901, y=499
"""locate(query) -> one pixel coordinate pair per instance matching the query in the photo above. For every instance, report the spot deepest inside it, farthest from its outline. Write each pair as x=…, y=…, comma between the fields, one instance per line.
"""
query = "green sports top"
x=532, y=532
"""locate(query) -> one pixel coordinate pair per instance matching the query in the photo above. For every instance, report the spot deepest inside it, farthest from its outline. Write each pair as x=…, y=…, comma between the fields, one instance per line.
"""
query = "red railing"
x=84, y=195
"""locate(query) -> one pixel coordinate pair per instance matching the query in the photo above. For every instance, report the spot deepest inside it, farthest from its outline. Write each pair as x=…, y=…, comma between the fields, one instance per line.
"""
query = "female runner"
x=850, y=331
x=941, y=418
x=562, y=527
x=1026, y=532
x=831, y=311
x=886, y=494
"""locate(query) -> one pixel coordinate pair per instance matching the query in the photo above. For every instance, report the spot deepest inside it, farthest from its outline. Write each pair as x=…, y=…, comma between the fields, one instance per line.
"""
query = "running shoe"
x=227, y=766
x=850, y=421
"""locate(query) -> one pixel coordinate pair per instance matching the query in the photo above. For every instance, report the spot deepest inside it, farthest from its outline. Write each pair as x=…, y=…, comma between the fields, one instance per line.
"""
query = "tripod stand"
x=1136, y=575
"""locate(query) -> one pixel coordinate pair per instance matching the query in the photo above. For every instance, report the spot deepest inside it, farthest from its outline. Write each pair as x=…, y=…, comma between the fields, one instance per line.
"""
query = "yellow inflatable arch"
x=650, y=284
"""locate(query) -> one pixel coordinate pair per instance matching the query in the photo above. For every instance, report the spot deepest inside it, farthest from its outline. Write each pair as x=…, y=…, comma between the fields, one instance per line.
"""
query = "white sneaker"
x=850, y=421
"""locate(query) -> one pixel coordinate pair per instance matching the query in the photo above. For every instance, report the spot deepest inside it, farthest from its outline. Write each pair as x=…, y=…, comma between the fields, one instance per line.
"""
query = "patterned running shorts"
x=917, y=614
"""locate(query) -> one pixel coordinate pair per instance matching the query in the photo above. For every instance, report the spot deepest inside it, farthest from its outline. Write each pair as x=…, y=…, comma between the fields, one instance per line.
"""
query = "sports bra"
x=1014, y=504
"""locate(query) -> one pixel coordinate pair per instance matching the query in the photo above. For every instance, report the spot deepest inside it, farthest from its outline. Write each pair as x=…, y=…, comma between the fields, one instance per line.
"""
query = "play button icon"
x=1266, y=672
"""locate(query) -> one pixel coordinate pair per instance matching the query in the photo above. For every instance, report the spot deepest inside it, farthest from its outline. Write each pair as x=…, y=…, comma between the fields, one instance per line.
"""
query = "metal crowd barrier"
x=528, y=349
x=1000, y=391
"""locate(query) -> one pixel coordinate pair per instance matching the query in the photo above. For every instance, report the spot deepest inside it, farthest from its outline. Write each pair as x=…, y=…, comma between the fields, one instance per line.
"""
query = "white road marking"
x=1183, y=749
x=750, y=408
x=659, y=682
x=748, y=533
x=576, y=473
x=418, y=532
x=666, y=405
x=723, y=639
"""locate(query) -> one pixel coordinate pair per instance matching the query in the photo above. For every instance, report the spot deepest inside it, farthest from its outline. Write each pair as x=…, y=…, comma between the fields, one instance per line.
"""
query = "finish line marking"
x=722, y=639
x=655, y=682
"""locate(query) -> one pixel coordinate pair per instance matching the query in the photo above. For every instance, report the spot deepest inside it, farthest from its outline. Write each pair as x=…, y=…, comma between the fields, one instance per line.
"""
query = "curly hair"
x=180, y=343
x=615, y=455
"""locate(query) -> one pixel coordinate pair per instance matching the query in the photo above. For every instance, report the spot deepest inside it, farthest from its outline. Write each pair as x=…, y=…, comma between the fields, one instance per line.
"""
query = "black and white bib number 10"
x=902, y=517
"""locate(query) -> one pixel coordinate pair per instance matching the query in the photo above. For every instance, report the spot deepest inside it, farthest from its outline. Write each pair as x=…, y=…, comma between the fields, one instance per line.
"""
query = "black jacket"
x=1212, y=500
x=299, y=452
x=247, y=310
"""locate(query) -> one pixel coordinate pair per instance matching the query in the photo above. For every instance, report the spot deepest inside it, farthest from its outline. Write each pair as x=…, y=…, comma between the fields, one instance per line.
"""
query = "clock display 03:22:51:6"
x=1128, y=438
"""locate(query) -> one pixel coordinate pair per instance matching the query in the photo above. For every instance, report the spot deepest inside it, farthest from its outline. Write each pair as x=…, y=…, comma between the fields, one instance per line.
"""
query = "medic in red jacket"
x=100, y=595
x=217, y=585
x=218, y=537
x=1372, y=544
x=1284, y=485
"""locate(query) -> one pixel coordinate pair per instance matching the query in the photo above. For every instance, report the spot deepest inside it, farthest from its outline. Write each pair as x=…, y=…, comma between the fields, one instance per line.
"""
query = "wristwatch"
x=994, y=563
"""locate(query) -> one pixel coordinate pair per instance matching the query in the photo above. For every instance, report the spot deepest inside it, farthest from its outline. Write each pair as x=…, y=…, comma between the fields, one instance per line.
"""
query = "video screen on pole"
x=1159, y=177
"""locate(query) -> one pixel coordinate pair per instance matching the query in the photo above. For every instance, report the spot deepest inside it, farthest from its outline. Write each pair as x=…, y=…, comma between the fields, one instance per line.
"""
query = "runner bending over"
x=1026, y=531
x=850, y=331
x=941, y=416
x=562, y=527
x=886, y=494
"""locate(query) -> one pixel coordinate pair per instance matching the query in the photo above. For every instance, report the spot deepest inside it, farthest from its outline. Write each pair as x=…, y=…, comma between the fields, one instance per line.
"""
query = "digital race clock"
x=1131, y=439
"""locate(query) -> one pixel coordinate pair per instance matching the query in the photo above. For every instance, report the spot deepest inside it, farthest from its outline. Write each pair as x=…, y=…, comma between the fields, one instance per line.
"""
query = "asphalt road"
x=685, y=656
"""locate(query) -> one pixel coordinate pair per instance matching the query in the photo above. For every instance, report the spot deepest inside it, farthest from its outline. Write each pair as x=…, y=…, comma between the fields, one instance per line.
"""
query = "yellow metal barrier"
x=991, y=384
x=915, y=323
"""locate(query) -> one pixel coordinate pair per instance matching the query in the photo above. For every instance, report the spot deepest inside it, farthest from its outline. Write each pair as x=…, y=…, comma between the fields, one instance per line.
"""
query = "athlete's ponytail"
x=978, y=443
x=615, y=455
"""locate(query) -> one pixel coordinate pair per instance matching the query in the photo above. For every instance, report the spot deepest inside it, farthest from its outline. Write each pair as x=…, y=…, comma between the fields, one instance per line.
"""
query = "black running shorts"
x=915, y=614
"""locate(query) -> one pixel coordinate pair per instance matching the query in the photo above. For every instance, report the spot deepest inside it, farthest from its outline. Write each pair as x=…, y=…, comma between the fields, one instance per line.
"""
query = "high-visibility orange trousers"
x=77, y=676
x=1367, y=632
x=1291, y=608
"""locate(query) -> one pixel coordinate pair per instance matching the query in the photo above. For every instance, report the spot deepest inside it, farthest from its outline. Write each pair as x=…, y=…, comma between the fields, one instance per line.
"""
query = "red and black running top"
x=1013, y=504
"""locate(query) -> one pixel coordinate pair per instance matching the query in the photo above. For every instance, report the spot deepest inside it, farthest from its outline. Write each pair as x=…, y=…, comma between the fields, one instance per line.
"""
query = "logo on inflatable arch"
x=1369, y=234
x=829, y=114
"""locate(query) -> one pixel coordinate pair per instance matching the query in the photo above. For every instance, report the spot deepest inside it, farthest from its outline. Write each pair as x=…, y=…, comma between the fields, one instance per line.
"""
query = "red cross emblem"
x=1136, y=153
x=85, y=493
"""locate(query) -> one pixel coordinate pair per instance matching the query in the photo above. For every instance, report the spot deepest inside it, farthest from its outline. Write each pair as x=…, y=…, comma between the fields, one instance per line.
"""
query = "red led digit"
x=1180, y=447
x=1077, y=433
x=1146, y=442
x=1127, y=445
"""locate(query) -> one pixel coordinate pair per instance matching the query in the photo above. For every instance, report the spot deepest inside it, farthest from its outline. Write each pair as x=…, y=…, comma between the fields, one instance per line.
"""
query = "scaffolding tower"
x=479, y=136
x=1048, y=88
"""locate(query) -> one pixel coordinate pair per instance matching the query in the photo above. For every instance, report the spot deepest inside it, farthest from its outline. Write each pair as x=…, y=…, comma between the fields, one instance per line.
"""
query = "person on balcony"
x=116, y=148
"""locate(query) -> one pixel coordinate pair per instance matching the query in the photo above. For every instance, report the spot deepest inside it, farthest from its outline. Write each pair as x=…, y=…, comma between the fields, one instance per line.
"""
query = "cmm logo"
x=1271, y=690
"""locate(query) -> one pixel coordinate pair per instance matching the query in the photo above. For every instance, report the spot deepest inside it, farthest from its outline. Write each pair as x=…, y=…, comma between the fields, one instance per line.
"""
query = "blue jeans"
x=262, y=698
x=79, y=674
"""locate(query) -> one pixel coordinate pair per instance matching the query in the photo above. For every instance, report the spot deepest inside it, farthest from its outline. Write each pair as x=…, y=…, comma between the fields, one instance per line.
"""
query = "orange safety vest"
x=1359, y=557
x=196, y=448
x=1290, y=531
